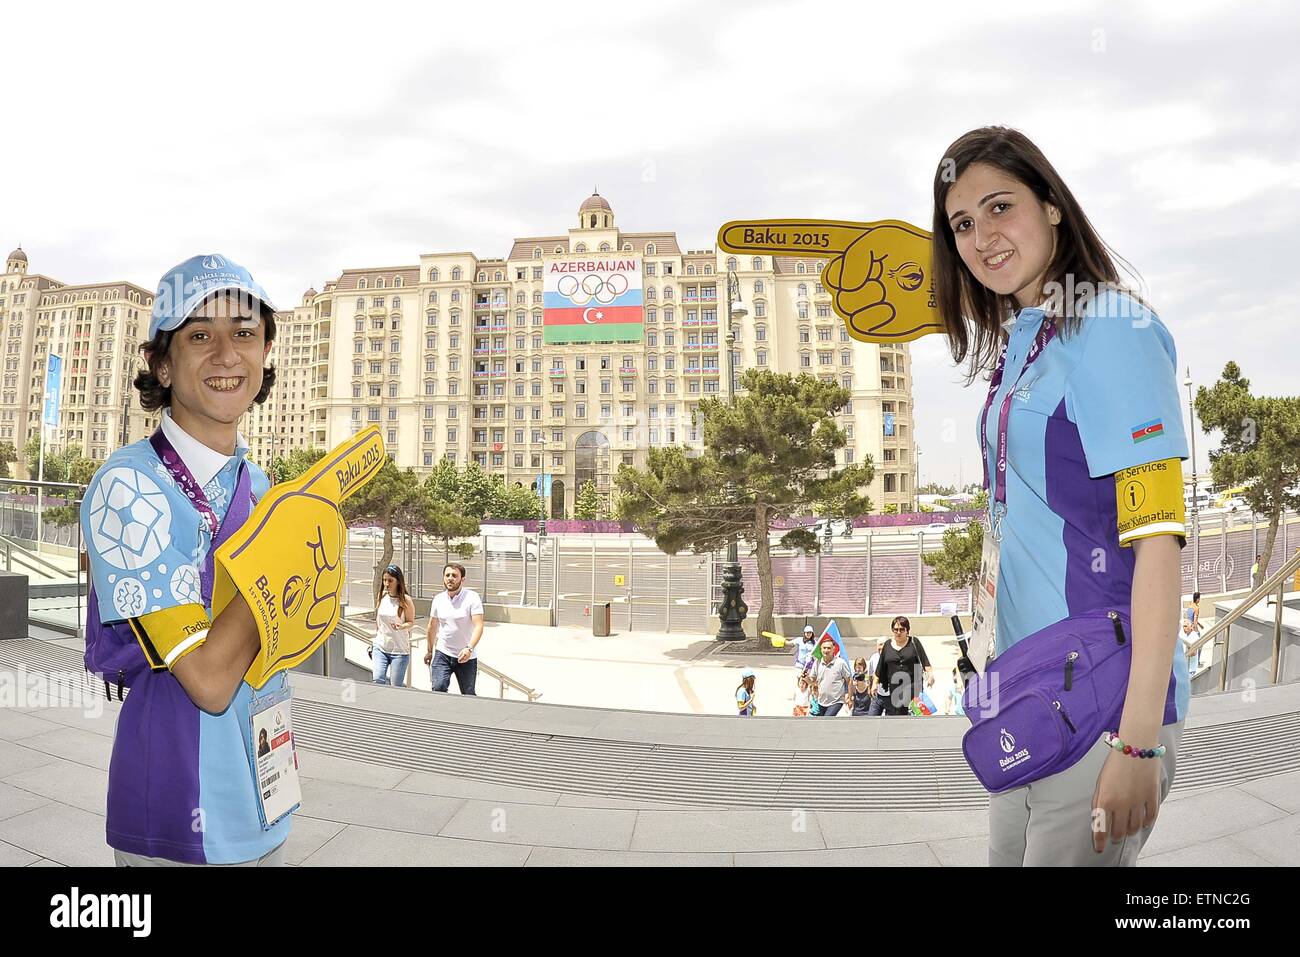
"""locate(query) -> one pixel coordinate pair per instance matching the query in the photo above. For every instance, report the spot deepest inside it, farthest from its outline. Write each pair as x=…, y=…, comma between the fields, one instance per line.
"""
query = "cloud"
x=306, y=143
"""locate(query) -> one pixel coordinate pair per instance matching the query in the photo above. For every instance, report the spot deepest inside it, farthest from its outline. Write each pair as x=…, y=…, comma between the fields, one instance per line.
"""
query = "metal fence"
x=876, y=574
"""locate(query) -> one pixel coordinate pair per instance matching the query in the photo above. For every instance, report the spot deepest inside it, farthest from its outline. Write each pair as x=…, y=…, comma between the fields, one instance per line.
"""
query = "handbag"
x=1040, y=706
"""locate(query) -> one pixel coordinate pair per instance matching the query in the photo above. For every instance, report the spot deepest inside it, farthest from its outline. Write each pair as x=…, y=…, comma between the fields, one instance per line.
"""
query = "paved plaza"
x=401, y=777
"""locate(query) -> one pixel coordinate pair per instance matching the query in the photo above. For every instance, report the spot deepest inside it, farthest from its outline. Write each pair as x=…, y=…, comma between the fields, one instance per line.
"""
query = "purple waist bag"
x=1040, y=706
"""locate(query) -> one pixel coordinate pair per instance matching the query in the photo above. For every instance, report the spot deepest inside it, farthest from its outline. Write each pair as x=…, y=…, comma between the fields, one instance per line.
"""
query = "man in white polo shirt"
x=456, y=618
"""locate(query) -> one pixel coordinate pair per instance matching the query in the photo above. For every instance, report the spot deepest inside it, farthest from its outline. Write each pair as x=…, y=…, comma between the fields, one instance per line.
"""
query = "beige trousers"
x=1049, y=823
x=273, y=858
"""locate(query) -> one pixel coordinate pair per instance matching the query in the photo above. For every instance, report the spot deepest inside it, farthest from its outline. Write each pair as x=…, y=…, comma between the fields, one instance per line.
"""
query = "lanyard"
x=1046, y=332
x=178, y=470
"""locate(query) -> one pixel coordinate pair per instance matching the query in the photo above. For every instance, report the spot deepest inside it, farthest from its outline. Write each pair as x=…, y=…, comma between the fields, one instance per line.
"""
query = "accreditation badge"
x=274, y=757
x=984, y=618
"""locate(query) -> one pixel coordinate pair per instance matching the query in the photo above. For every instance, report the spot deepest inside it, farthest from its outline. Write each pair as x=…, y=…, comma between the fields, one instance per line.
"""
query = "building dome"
x=595, y=212
x=19, y=256
x=310, y=293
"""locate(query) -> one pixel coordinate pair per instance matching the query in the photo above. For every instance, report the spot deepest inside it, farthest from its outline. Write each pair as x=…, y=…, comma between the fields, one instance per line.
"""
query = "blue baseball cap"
x=748, y=673
x=184, y=287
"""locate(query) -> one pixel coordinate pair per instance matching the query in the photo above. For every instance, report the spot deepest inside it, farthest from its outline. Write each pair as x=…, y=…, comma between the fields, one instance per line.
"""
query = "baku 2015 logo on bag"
x=1008, y=743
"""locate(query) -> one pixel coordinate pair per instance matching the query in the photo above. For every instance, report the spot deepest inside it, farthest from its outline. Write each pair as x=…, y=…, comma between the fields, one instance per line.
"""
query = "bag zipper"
x=1119, y=626
x=1069, y=669
x=1065, y=717
x=120, y=676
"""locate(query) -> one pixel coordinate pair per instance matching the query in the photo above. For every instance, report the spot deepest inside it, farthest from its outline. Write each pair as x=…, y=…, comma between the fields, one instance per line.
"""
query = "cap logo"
x=214, y=262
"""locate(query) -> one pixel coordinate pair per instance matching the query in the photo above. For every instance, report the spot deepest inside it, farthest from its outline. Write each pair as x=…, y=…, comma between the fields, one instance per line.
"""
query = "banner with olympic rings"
x=593, y=300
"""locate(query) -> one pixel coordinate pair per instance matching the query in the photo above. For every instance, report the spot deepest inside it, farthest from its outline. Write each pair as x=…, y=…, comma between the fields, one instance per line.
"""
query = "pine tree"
x=1260, y=446
x=768, y=454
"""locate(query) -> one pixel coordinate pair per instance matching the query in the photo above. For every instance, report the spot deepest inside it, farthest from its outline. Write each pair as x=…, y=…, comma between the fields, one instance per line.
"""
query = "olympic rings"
x=604, y=291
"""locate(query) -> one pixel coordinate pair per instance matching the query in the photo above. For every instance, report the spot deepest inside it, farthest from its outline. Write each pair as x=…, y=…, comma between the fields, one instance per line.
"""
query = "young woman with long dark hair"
x=394, y=619
x=1082, y=436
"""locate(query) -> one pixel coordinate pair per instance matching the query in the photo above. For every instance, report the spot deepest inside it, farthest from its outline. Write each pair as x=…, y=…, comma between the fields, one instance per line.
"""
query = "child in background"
x=745, y=694
x=861, y=689
x=802, y=695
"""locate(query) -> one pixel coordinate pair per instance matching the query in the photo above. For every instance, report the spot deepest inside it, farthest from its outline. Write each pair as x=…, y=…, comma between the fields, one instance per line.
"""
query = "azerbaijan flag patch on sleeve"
x=1148, y=430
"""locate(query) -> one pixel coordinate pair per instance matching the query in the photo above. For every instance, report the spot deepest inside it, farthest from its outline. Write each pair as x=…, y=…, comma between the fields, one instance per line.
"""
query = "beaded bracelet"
x=1112, y=739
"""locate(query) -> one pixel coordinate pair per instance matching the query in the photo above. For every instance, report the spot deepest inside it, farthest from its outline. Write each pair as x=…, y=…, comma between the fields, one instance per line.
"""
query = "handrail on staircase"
x=356, y=631
x=1273, y=584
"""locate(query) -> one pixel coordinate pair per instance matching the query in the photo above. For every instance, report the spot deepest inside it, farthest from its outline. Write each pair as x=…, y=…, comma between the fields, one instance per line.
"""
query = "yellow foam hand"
x=287, y=559
x=880, y=273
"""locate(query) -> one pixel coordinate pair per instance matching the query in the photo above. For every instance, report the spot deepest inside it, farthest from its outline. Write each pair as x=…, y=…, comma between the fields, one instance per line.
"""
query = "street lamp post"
x=1196, y=530
x=544, y=492
x=916, y=483
x=732, y=610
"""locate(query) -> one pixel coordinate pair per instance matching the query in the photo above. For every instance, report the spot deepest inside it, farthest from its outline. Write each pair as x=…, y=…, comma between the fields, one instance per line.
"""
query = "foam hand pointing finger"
x=287, y=559
x=879, y=274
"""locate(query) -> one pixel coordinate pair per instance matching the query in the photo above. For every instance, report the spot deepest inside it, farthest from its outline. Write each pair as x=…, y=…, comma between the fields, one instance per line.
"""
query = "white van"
x=507, y=541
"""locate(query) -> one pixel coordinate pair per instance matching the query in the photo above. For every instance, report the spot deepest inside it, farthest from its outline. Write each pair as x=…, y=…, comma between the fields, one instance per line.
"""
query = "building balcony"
x=627, y=370
x=558, y=373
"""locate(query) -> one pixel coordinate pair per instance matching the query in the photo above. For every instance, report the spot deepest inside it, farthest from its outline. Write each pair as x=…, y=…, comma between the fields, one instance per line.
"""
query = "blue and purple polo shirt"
x=1095, y=403
x=180, y=785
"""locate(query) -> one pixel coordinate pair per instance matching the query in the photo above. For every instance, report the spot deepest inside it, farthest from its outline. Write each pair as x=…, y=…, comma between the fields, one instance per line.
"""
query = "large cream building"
x=447, y=357
x=96, y=329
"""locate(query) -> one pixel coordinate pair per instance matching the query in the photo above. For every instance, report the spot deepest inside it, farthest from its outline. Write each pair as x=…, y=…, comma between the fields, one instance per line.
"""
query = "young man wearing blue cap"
x=182, y=785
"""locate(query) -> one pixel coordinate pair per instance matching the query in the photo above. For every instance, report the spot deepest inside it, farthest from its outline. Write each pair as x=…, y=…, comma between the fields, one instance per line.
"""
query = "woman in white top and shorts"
x=394, y=619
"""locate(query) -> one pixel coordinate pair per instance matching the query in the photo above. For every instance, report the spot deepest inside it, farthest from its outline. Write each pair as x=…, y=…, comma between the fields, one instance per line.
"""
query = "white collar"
x=203, y=462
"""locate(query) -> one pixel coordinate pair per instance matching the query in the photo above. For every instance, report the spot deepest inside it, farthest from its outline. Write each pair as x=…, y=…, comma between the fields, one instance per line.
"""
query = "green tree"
x=957, y=562
x=394, y=498
x=80, y=469
x=285, y=468
x=443, y=483
x=8, y=454
x=769, y=454
x=478, y=494
x=61, y=465
x=1259, y=447
x=518, y=502
x=934, y=488
x=61, y=515
x=587, y=506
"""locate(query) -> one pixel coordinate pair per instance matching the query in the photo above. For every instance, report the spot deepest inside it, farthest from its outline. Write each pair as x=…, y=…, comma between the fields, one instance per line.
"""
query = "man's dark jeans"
x=444, y=666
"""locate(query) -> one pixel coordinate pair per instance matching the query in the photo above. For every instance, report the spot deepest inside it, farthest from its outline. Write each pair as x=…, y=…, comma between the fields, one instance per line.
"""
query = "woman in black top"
x=901, y=666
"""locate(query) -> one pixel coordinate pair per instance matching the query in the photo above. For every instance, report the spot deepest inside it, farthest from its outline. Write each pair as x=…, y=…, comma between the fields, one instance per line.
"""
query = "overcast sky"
x=304, y=139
